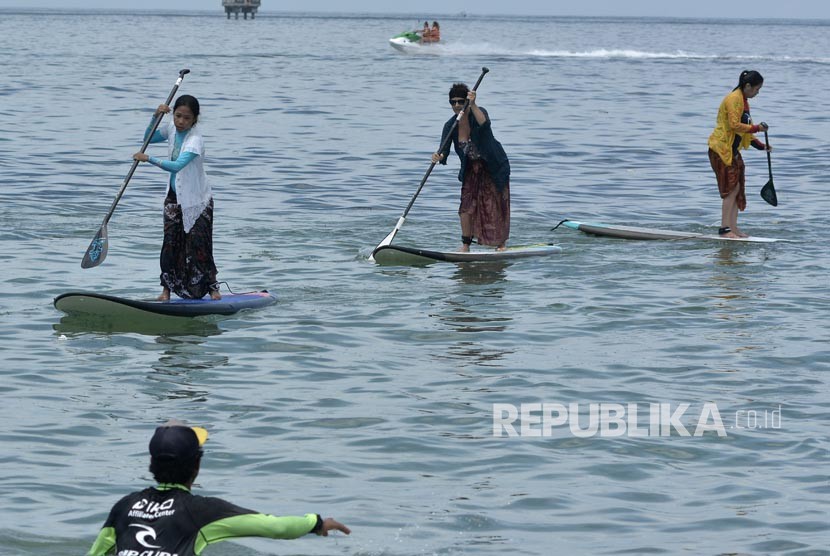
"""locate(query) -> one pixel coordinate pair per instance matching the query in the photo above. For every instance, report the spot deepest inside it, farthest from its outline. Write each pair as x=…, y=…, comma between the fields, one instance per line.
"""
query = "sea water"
x=379, y=395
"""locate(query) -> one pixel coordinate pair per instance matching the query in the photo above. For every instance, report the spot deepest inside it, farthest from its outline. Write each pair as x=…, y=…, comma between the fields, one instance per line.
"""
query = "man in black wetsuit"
x=167, y=520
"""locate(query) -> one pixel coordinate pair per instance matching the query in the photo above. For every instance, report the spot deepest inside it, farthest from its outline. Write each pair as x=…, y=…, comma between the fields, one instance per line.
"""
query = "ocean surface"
x=368, y=393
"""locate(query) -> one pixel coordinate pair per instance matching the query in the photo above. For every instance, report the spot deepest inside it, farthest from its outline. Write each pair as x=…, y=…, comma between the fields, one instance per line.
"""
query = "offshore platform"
x=244, y=7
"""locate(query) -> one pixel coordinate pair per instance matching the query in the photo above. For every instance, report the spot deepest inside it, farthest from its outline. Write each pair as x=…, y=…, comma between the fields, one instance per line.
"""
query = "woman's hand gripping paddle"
x=388, y=239
x=768, y=191
x=97, y=250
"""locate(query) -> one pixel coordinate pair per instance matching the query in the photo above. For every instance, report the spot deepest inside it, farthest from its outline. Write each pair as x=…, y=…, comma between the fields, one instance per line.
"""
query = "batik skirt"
x=187, y=266
x=488, y=207
x=730, y=177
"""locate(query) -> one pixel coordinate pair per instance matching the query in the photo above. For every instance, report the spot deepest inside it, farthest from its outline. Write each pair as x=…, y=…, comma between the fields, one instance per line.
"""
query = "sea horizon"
x=23, y=10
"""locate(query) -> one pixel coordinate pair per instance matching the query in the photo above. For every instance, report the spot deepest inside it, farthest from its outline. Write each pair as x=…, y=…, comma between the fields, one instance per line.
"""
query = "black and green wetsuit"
x=167, y=520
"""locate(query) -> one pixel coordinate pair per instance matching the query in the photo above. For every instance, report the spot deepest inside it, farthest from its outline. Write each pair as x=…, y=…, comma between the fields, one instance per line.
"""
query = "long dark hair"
x=749, y=77
x=191, y=102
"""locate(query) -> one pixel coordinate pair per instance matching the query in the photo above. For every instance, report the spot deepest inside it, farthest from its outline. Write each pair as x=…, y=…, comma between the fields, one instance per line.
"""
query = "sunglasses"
x=454, y=101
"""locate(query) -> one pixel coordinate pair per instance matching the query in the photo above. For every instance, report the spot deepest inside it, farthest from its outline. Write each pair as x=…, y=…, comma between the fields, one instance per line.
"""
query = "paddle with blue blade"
x=388, y=239
x=768, y=191
x=97, y=250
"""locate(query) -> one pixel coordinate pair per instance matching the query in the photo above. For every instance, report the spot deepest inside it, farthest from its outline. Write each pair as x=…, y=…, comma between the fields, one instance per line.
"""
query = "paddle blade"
x=97, y=250
x=768, y=194
x=388, y=239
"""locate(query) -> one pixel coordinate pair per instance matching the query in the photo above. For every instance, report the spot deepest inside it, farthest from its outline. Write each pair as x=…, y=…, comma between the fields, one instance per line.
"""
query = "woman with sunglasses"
x=484, y=173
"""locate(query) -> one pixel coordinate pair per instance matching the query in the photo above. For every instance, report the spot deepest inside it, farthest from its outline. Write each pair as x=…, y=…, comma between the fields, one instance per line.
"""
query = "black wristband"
x=318, y=527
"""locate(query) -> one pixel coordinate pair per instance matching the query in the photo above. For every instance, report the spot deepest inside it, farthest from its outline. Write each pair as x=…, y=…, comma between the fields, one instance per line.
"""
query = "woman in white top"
x=187, y=266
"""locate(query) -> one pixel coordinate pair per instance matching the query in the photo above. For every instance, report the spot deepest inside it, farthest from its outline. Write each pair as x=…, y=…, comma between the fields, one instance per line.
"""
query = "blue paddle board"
x=89, y=303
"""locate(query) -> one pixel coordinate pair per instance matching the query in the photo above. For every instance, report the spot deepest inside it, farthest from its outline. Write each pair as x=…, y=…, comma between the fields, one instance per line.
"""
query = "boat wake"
x=484, y=49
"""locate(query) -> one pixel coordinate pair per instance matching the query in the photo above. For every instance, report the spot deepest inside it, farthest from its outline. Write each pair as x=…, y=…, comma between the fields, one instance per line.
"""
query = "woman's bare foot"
x=464, y=248
x=501, y=248
x=165, y=295
x=215, y=295
x=732, y=235
x=740, y=233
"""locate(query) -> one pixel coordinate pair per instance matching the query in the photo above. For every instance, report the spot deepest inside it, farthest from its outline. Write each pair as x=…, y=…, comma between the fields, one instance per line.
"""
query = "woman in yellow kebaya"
x=734, y=131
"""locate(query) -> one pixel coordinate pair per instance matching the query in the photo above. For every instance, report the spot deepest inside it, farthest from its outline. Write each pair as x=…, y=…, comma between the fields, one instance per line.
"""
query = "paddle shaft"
x=156, y=121
x=769, y=157
x=444, y=143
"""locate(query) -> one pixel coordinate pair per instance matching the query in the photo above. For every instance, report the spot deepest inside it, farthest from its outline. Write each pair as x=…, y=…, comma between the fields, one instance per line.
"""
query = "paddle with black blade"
x=768, y=191
x=388, y=239
x=97, y=250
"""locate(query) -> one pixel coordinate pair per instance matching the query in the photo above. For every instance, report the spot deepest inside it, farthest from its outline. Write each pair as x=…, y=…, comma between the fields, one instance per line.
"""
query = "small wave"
x=680, y=54
x=618, y=53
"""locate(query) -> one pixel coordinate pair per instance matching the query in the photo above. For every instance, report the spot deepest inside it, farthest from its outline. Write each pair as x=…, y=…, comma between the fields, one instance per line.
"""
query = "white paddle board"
x=633, y=232
x=400, y=255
